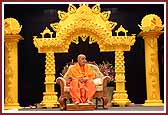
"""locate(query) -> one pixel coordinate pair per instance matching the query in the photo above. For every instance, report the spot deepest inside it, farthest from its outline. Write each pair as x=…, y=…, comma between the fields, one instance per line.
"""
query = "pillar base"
x=50, y=99
x=12, y=106
x=120, y=98
x=49, y=105
x=153, y=103
x=121, y=102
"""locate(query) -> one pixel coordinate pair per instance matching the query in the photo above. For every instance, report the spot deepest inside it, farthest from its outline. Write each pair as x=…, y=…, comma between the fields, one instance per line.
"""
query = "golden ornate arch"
x=83, y=22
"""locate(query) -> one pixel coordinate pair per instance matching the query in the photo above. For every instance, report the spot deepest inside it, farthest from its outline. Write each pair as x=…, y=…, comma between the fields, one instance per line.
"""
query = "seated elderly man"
x=82, y=87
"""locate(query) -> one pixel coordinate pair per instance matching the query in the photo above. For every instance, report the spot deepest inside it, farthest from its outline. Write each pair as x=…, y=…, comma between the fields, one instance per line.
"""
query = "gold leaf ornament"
x=111, y=25
x=55, y=26
x=71, y=9
x=96, y=8
x=105, y=15
x=62, y=15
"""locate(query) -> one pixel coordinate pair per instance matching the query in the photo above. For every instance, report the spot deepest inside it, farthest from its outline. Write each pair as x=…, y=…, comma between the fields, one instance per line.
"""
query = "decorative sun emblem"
x=12, y=26
x=151, y=22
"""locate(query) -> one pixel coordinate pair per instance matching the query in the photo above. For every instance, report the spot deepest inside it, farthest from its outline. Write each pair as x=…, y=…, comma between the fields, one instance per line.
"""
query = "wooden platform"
x=139, y=108
x=81, y=106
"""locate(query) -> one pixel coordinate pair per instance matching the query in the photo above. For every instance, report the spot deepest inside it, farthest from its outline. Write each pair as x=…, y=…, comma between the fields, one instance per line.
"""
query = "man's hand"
x=83, y=80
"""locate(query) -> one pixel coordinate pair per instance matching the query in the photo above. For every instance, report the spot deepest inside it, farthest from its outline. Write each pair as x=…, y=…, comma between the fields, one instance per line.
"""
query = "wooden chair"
x=100, y=81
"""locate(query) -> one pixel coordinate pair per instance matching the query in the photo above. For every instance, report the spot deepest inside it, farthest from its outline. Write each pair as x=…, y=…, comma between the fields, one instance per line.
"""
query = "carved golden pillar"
x=120, y=44
x=151, y=30
x=11, y=71
x=50, y=96
x=120, y=96
x=152, y=68
x=11, y=39
x=48, y=46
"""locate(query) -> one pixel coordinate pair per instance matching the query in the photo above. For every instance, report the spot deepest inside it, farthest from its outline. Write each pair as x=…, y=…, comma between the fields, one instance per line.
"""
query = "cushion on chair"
x=98, y=81
x=96, y=70
x=98, y=88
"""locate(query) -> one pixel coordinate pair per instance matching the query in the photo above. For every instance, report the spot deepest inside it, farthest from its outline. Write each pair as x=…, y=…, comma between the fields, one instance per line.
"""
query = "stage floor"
x=135, y=107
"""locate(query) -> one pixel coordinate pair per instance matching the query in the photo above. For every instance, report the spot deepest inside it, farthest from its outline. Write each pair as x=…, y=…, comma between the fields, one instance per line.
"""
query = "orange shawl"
x=77, y=72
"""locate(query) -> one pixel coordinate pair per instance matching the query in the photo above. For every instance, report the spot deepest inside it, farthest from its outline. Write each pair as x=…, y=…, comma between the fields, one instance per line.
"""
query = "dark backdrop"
x=35, y=18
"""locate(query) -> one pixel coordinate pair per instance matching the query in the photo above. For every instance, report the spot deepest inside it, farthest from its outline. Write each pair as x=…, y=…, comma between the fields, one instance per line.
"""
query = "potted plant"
x=108, y=70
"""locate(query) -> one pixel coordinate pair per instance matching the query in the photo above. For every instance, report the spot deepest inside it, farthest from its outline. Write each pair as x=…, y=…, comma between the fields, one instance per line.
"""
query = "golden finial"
x=11, y=26
x=46, y=31
x=121, y=29
x=151, y=22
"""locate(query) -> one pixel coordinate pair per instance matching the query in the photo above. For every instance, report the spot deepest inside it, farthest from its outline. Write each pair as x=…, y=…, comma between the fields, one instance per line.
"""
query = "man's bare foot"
x=89, y=102
x=76, y=103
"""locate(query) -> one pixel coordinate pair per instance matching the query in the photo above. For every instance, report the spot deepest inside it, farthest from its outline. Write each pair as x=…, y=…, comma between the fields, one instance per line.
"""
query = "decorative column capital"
x=12, y=38
x=150, y=34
